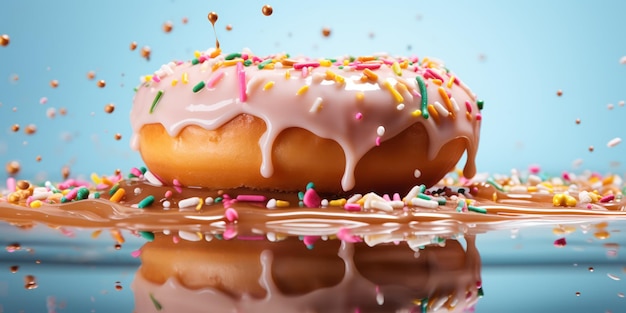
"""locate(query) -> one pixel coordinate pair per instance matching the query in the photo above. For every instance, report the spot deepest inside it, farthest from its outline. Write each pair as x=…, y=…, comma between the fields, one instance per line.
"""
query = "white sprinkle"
x=152, y=179
x=440, y=109
x=412, y=193
x=417, y=173
x=271, y=236
x=380, y=298
x=614, y=142
x=324, y=203
x=208, y=236
x=381, y=205
x=271, y=204
x=317, y=105
x=613, y=277
x=380, y=131
x=189, y=202
x=400, y=107
x=189, y=236
x=621, y=103
x=208, y=200
x=622, y=60
x=429, y=204
x=137, y=190
x=354, y=198
x=40, y=195
x=253, y=83
x=166, y=205
x=166, y=232
x=455, y=105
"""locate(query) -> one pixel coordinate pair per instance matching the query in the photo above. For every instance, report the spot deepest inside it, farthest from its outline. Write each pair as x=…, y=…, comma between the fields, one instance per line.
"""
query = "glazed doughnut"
x=374, y=123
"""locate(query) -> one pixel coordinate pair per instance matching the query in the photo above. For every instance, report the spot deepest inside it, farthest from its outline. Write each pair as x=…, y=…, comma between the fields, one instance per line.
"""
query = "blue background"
x=514, y=55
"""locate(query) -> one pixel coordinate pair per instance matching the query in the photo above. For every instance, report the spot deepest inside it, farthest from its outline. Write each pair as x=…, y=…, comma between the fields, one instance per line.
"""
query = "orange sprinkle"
x=216, y=66
x=404, y=64
x=96, y=233
x=468, y=115
x=117, y=235
x=370, y=74
x=366, y=58
x=118, y=195
x=446, y=100
x=216, y=52
x=330, y=75
x=436, y=81
x=607, y=180
x=433, y=113
x=360, y=96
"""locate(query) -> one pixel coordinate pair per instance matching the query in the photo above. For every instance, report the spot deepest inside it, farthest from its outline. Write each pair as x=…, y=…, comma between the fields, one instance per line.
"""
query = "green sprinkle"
x=494, y=184
x=477, y=209
x=218, y=236
x=82, y=193
x=340, y=67
x=480, y=104
x=333, y=60
x=423, y=196
x=218, y=200
x=264, y=63
x=156, y=303
x=424, y=93
x=460, y=205
x=481, y=293
x=300, y=195
x=198, y=86
x=422, y=188
x=147, y=201
x=441, y=201
x=424, y=305
x=195, y=61
x=96, y=195
x=247, y=62
x=310, y=185
x=232, y=56
x=113, y=189
x=63, y=199
x=156, y=100
x=147, y=235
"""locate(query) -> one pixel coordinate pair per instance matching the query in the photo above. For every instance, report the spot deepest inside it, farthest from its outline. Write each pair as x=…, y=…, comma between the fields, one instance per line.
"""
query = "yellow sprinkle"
x=446, y=101
x=117, y=235
x=216, y=52
x=396, y=68
x=118, y=195
x=268, y=85
x=557, y=199
x=65, y=191
x=607, y=180
x=269, y=66
x=532, y=189
x=216, y=66
x=302, y=90
x=287, y=74
x=594, y=196
x=360, y=96
x=436, y=81
x=282, y=203
x=433, y=112
x=196, y=54
x=96, y=233
x=396, y=95
x=233, y=62
x=330, y=75
x=35, y=204
x=366, y=58
x=404, y=64
x=346, y=62
x=494, y=197
x=340, y=80
x=174, y=82
x=199, y=205
x=95, y=178
x=401, y=87
x=147, y=78
x=106, y=181
x=416, y=113
x=337, y=202
x=199, y=234
x=325, y=63
x=370, y=74
x=451, y=81
x=185, y=78
x=570, y=201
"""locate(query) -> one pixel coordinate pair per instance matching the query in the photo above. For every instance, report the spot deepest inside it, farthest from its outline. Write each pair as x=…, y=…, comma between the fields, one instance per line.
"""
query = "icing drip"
x=324, y=100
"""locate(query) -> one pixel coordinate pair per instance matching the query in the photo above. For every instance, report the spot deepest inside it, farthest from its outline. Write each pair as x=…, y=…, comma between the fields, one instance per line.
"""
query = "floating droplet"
x=54, y=83
x=118, y=136
x=145, y=52
x=185, y=20
x=559, y=92
x=118, y=286
x=30, y=282
x=229, y=27
x=13, y=247
x=15, y=127
x=117, y=246
x=91, y=75
x=65, y=172
x=101, y=83
x=603, y=234
x=133, y=46
x=168, y=26
x=30, y=129
x=212, y=17
x=267, y=10
x=591, y=269
x=4, y=40
x=14, y=269
x=326, y=32
x=13, y=167
x=109, y=108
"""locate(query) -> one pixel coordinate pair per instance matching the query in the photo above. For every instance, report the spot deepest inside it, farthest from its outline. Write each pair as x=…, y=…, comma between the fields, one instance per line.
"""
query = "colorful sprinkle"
x=157, y=97
x=424, y=94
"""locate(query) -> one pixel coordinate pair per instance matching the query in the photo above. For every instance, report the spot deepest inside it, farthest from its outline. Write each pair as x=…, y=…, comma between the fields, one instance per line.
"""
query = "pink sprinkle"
x=135, y=254
x=229, y=233
x=352, y=207
x=43, y=100
x=251, y=198
x=479, y=117
x=310, y=240
x=175, y=239
x=29, y=200
x=344, y=235
x=560, y=243
x=371, y=66
x=72, y=194
x=156, y=78
x=102, y=186
x=534, y=169
x=358, y=116
x=241, y=80
x=396, y=197
x=607, y=198
x=231, y=215
x=386, y=197
x=67, y=232
x=245, y=56
x=434, y=74
x=217, y=76
x=256, y=59
x=565, y=176
x=311, y=199
x=176, y=183
x=135, y=171
x=11, y=184
x=468, y=106
x=303, y=65
x=203, y=58
x=168, y=194
x=305, y=72
x=377, y=141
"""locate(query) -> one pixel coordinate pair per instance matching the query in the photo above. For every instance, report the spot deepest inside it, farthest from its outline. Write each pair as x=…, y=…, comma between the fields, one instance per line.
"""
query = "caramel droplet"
x=185, y=20
x=30, y=282
x=14, y=269
x=118, y=286
x=577, y=121
x=267, y=10
x=145, y=52
x=101, y=83
x=590, y=148
x=65, y=172
x=54, y=83
x=229, y=27
x=15, y=127
x=22, y=185
x=13, y=167
x=38, y=158
x=212, y=17
x=133, y=46
x=13, y=247
x=109, y=108
x=117, y=246
x=91, y=75
x=118, y=136
x=4, y=40
x=30, y=129
x=62, y=111
x=559, y=92
x=167, y=26
x=326, y=32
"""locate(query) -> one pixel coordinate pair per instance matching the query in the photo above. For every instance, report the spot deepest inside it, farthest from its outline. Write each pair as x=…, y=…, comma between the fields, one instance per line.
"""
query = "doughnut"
x=369, y=123
x=286, y=276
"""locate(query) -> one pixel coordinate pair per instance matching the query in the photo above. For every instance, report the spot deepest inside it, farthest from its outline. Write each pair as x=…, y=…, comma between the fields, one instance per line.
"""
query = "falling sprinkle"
x=133, y=46
x=578, y=293
x=109, y=108
x=145, y=52
x=577, y=121
x=167, y=26
x=30, y=282
x=43, y=100
x=54, y=83
x=326, y=32
x=590, y=148
x=614, y=142
x=4, y=40
x=560, y=243
x=267, y=10
x=101, y=83
x=91, y=75
x=30, y=129
x=118, y=286
x=185, y=20
x=65, y=172
x=613, y=277
x=156, y=303
x=12, y=167
x=14, y=269
x=610, y=106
